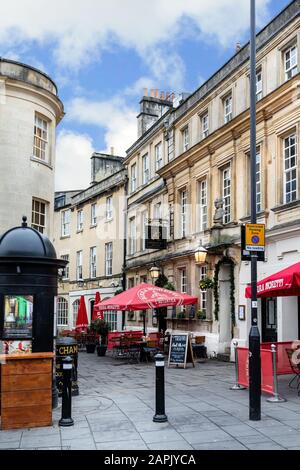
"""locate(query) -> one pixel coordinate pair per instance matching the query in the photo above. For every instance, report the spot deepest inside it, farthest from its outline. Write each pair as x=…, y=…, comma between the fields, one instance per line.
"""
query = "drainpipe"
x=125, y=246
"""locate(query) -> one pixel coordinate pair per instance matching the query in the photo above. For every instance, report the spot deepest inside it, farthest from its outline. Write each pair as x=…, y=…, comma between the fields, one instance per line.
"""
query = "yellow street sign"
x=255, y=237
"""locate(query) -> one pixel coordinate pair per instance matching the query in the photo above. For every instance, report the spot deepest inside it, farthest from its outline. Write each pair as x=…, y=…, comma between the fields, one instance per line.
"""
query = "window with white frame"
x=112, y=319
x=259, y=85
x=93, y=215
x=158, y=211
x=291, y=62
x=290, y=168
x=133, y=178
x=203, y=204
x=203, y=293
x=144, y=227
x=80, y=221
x=108, y=259
x=132, y=236
x=40, y=147
x=204, y=125
x=62, y=312
x=183, y=215
x=75, y=311
x=66, y=271
x=109, y=208
x=158, y=156
x=146, y=171
x=38, y=215
x=186, y=138
x=227, y=105
x=93, y=262
x=258, y=181
x=171, y=146
x=183, y=281
x=66, y=223
x=79, y=273
x=226, y=193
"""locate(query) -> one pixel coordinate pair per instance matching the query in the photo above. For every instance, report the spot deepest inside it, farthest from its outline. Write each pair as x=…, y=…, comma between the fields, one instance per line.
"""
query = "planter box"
x=101, y=351
x=90, y=348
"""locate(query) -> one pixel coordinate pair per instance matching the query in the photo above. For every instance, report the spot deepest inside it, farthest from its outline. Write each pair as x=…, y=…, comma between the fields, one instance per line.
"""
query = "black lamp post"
x=254, y=336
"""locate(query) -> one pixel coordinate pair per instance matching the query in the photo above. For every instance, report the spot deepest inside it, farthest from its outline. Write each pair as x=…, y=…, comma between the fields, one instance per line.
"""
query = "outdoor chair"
x=150, y=350
x=295, y=367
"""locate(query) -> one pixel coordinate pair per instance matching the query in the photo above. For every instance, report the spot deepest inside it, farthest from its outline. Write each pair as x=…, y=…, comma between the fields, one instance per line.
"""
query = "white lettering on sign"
x=275, y=284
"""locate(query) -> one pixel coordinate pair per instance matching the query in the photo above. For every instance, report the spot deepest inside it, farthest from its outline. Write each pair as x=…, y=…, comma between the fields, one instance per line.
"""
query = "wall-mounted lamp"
x=154, y=273
x=200, y=255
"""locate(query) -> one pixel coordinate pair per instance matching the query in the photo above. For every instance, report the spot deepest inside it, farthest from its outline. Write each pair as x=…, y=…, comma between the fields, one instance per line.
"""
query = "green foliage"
x=102, y=328
x=163, y=282
x=119, y=291
x=232, y=290
x=201, y=315
x=206, y=284
x=181, y=315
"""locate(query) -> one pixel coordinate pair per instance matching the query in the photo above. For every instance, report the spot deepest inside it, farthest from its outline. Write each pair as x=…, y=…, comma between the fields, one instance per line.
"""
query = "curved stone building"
x=30, y=110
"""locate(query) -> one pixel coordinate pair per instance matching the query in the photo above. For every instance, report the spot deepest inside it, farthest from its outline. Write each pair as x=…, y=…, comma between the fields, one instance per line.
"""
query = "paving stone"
x=264, y=446
x=166, y=435
x=79, y=444
x=40, y=441
x=239, y=430
x=222, y=445
x=175, y=445
x=144, y=426
x=7, y=436
x=285, y=440
x=206, y=436
x=10, y=445
x=120, y=435
x=137, y=444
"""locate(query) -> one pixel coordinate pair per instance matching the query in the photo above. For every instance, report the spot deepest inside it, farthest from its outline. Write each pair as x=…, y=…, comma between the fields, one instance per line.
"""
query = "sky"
x=102, y=54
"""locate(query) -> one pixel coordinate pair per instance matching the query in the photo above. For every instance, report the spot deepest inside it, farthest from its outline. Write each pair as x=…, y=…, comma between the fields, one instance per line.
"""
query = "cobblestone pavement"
x=116, y=406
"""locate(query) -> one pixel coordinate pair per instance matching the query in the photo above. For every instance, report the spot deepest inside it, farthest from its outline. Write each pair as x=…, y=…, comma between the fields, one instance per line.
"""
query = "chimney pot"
x=152, y=93
x=238, y=47
x=145, y=91
x=112, y=151
x=162, y=95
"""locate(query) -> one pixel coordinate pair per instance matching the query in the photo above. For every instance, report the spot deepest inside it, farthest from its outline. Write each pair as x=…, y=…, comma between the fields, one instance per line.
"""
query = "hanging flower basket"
x=206, y=284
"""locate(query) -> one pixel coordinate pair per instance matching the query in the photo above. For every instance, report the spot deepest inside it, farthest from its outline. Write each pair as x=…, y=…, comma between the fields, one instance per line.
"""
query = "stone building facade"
x=30, y=110
x=197, y=152
x=89, y=234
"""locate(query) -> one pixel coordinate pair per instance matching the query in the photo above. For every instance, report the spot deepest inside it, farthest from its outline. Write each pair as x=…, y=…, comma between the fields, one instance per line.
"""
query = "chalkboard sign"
x=181, y=350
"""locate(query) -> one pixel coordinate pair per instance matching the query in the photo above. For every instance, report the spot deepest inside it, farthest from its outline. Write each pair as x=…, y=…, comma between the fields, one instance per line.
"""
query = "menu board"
x=180, y=351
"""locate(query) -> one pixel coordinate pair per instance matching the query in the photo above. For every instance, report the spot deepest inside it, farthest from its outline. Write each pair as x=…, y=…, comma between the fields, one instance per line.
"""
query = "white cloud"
x=73, y=153
x=79, y=30
x=114, y=115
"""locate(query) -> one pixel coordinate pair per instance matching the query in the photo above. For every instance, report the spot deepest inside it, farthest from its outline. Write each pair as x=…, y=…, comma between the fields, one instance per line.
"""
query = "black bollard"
x=66, y=411
x=160, y=415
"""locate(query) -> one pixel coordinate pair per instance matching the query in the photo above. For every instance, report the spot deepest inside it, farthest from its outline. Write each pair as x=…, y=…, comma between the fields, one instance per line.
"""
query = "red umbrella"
x=146, y=296
x=97, y=314
x=282, y=284
x=82, y=318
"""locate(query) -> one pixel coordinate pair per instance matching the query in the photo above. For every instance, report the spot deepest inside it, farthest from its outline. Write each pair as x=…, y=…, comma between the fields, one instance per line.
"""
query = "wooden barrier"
x=26, y=390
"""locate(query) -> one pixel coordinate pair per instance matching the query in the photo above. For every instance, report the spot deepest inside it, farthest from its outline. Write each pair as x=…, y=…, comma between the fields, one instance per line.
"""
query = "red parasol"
x=82, y=318
x=282, y=284
x=146, y=296
x=97, y=314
